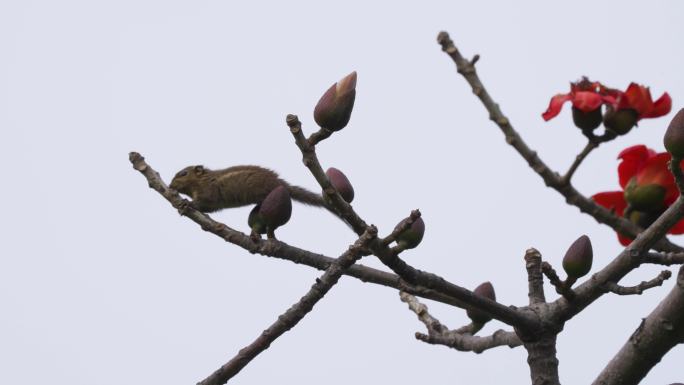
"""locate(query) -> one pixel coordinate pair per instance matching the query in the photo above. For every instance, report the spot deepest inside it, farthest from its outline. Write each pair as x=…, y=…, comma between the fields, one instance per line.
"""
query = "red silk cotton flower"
x=648, y=188
x=633, y=105
x=585, y=95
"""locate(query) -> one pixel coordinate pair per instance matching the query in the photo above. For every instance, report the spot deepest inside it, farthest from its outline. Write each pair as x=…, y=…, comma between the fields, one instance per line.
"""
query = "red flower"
x=639, y=99
x=648, y=189
x=585, y=95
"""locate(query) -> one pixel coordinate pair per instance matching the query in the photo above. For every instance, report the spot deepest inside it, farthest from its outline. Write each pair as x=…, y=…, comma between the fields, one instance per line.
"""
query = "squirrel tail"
x=307, y=197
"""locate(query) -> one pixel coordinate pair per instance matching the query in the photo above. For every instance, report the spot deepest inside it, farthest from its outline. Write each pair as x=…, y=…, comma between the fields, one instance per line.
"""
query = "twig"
x=432, y=324
x=294, y=314
x=551, y=178
x=591, y=145
x=475, y=344
x=533, y=264
x=319, y=136
x=390, y=258
x=279, y=249
x=461, y=339
x=666, y=259
x=562, y=287
x=638, y=289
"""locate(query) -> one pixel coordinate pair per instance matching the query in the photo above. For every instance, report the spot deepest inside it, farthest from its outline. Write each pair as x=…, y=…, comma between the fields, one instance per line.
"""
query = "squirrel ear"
x=199, y=170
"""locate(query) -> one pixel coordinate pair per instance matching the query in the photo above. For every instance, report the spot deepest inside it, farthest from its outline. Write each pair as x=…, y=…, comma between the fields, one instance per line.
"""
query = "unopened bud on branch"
x=578, y=258
x=485, y=290
x=341, y=184
x=335, y=106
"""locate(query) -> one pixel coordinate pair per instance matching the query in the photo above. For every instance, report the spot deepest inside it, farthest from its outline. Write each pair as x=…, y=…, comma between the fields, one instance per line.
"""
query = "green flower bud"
x=335, y=106
x=341, y=184
x=587, y=121
x=647, y=197
x=411, y=237
x=620, y=121
x=674, y=136
x=578, y=258
x=485, y=290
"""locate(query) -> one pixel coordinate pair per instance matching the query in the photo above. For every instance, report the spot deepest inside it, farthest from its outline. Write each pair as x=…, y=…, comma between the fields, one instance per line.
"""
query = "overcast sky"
x=102, y=282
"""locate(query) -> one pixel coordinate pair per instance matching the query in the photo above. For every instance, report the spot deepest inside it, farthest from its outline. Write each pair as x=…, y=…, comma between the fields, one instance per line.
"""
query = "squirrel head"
x=187, y=178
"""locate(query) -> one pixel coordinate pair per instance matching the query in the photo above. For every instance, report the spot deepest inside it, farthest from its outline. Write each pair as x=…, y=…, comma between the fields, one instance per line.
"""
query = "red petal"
x=587, y=101
x=661, y=107
x=655, y=171
x=624, y=241
x=612, y=200
x=637, y=97
x=555, y=106
x=678, y=228
x=633, y=160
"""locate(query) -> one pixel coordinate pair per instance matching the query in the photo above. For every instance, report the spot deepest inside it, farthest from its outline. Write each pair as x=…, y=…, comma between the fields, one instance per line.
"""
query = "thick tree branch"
x=279, y=249
x=625, y=262
x=461, y=339
x=389, y=257
x=551, y=178
x=656, y=335
x=294, y=314
x=638, y=289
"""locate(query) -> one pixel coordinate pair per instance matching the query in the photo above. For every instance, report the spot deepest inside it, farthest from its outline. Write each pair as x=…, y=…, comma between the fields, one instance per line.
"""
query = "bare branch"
x=279, y=249
x=550, y=177
x=662, y=330
x=461, y=339
x=390, y=258
x=432, y=324
x=591, y=145
x=533, y=262
x=562, y=287
x=294, y=314
x=638, y=289
x=666, y=259
x=469, y=343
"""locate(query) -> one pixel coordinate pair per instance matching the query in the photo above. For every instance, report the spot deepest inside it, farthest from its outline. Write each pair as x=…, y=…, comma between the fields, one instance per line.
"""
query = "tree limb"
x=294, y=314
x=662, y=330
x=551, y=178
x=638, y=289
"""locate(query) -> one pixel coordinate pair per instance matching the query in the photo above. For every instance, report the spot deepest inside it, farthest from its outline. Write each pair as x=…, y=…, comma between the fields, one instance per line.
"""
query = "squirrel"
x=213, y=190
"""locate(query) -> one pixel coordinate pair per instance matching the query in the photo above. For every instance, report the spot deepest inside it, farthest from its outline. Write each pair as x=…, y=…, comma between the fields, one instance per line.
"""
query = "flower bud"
x=341, y=184
x=276, y=208
x=674, y=136
x=587, y=121
x=620, y=121
x=578, y=258
x=411, y=237
x=485, y=290
x=335, y=106
x=647, y=197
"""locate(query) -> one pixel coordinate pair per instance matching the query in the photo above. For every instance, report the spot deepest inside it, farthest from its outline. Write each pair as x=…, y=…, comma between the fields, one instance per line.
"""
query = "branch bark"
x=551, y=178
x=662, y=330
x=294, y=314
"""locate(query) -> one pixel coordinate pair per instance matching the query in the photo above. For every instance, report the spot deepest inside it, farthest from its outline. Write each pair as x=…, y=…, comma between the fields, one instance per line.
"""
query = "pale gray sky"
x=102, y=282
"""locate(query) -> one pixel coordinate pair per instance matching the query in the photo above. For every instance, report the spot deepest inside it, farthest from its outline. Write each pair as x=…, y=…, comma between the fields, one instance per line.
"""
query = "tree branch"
x=533, y=264
x=461, y=339
x=662, y=330
x=279, y=249
x=591, y=145
x=551, y=178
x=638, y=289
x=561, y=287
x=294, y=314
x=389, y=257
x=666, y=259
